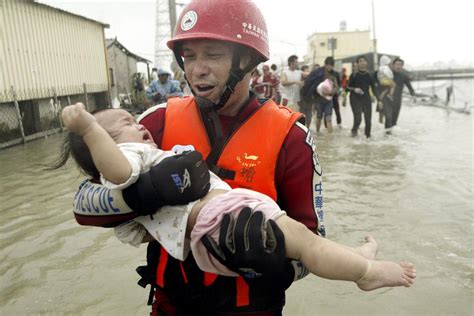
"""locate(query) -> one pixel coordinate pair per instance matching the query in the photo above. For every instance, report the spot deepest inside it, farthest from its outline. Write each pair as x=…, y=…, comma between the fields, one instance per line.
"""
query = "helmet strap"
x=236, y=74
x=178, y=57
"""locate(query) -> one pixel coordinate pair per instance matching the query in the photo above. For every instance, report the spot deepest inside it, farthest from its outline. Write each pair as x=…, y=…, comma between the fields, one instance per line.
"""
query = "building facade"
x=337, y=44
x=123, y=75
x=48, y=58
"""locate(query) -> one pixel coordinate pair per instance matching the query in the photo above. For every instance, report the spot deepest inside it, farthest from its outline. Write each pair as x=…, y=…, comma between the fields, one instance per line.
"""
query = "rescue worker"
x=163, y=88
x=218, y=44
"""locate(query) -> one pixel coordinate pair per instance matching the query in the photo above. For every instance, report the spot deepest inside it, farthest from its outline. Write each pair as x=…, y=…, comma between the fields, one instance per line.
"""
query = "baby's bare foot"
x=387, y=274
x=369, y=249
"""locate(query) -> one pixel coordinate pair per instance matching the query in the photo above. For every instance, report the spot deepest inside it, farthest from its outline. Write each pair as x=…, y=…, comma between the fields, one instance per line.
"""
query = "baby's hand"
x=77, y=119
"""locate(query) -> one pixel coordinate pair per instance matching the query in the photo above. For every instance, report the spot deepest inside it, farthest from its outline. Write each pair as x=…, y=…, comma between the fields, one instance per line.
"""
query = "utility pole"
x=333, y=43
x=163, y=29
x=376, y=59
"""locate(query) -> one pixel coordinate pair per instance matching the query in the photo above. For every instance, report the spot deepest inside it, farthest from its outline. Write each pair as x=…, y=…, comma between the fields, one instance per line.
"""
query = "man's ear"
x=247, y=58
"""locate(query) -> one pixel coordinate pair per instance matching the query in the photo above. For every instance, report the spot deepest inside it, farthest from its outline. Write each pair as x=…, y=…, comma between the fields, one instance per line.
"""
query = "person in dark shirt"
x=361, y=101
x=401, y=79
x=309, y=95
x=329, y=66
x=351, y=94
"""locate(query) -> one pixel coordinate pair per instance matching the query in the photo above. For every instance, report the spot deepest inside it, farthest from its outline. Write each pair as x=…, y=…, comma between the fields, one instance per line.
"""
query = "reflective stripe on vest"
x=252, y=151
x=242, y=292
x=209, y=278
x=160, y=269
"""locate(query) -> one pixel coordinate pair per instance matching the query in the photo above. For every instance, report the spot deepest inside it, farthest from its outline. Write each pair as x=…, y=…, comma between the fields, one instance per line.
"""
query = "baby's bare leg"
x=368, y=250
x=321, y=256
x=331, y=260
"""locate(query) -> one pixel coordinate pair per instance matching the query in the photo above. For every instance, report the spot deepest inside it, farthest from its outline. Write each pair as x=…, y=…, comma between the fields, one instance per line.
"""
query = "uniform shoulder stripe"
x=302, y=126
x=151, y=110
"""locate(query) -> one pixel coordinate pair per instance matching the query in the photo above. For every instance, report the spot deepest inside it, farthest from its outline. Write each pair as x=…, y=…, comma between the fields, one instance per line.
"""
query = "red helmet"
x=236, y=21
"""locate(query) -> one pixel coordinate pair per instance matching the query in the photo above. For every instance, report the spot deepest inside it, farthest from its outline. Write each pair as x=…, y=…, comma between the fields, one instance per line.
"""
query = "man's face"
x=294, y=64
x=362, y=64
x=397, y=66
x=355, y=67
x=163, y=78
x=207, y=64
x=328, y=67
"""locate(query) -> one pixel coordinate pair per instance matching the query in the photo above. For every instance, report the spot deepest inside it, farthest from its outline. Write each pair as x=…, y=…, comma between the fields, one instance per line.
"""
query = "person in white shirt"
x=291, y=81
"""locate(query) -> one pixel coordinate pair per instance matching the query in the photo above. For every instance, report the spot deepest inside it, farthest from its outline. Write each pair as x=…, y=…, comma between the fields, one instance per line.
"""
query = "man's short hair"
x=292, y=59
x=361, y=57
x=398, y=59
x=329, y=61
x=273, y=67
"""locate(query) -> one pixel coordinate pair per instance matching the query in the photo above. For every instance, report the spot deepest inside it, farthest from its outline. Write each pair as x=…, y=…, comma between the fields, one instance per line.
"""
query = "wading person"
x=401, y=80
x=324, y=104
x=163, y=88
x=334, y=76
x=291, y=81
x=359, y=86
x=271, y=83
x=218, y=44
x=275, y=73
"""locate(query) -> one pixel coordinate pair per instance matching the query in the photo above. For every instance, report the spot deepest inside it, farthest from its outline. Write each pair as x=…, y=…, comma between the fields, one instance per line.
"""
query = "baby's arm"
x=107, y=157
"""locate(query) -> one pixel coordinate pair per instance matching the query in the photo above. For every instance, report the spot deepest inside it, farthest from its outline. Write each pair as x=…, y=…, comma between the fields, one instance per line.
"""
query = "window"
x=332, y=43
x=111, y=77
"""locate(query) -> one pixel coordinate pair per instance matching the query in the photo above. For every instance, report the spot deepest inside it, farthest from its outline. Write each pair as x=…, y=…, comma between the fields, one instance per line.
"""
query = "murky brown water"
x=413, y=191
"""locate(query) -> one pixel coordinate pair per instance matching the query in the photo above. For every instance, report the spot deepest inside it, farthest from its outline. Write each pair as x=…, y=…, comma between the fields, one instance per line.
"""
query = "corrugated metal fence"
x=25, y=120
x=47, y=56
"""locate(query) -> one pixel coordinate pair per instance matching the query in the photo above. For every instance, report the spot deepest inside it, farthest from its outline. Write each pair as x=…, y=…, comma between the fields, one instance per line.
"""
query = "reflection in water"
x=413, y=191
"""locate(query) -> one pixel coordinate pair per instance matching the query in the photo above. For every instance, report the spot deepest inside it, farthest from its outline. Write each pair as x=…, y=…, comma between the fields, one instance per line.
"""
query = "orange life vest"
x=251, y=152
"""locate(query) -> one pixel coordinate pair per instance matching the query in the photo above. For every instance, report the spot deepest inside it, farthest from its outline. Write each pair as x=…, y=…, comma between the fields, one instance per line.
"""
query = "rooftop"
x=38, y=2
x=113, y=41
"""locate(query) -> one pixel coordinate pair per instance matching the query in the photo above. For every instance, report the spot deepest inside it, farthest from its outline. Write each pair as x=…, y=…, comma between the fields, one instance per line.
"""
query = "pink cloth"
x=210, y=217
x=325, y=89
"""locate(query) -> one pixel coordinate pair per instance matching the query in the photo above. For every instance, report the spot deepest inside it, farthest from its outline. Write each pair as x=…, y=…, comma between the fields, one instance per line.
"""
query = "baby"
x=325, y=89
x=121, y=149
x=385, y=78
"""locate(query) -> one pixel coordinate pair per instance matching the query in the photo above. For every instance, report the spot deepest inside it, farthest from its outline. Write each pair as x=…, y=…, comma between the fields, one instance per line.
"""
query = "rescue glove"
x=176, y=180
x=254, y=249
x=157, y=97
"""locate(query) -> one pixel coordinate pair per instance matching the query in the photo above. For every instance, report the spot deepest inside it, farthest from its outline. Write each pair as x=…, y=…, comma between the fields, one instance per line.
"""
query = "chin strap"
x=236, y=74
x=216, y=136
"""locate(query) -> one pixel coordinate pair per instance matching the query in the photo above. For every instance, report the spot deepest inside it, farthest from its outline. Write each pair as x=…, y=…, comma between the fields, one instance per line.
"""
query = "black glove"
x=178, y=179
x=242, y=249
x=157, y=97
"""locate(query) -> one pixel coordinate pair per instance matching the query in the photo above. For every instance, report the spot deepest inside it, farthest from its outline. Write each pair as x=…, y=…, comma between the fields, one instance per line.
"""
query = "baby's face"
x=123, y=128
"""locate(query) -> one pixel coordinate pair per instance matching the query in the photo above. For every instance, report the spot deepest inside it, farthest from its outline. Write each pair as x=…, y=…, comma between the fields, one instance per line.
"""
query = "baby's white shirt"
x=141, y=157
x=168, y=224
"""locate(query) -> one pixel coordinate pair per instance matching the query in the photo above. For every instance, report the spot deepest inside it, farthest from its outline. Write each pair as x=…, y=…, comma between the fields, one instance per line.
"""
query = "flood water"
x=413, y=191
